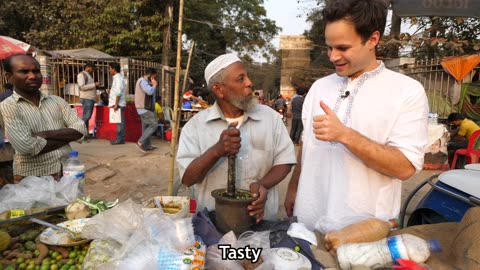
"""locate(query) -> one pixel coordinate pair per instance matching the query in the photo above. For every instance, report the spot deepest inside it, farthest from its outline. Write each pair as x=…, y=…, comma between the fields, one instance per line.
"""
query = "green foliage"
x=439, y=37
x=435, y=37
x=134, y=27
x=243, y=27
x=266, y=76
x=317, y=35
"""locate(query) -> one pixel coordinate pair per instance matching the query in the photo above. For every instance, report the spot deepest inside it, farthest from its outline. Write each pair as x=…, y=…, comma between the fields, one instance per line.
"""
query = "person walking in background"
x=39, y=127
x=8, y=91
x=88, y=92
x=461, y=130
x=117, y=100
x=297, y=125
x=365, y=127
x=280, y=103
x=145, y=103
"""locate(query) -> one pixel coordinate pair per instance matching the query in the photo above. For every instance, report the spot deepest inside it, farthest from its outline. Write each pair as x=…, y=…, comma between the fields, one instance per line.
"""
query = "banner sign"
x=444, y=8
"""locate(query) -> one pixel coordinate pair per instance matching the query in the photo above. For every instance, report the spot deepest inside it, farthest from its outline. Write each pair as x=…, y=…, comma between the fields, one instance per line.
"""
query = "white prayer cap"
x=218, y=63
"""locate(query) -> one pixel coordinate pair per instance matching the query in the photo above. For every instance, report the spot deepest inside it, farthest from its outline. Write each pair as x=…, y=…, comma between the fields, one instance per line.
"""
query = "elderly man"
x=39, y=127
x=235, y=125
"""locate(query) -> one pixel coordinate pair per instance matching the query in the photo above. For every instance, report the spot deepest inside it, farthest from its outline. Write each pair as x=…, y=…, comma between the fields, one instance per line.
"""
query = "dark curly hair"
x=455, y=116
x=367, y=16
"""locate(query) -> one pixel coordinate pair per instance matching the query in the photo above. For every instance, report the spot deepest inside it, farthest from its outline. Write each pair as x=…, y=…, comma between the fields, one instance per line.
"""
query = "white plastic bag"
x=38, y=192
x=214, y=259
x=254, y=239
x=147, y=239
x=118, y=223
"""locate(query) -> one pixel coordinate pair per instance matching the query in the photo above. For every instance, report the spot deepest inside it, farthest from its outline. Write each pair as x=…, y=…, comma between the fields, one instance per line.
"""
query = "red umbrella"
x=10, y=46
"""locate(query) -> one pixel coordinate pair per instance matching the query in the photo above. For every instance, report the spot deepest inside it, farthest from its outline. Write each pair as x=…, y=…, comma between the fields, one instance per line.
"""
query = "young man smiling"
x=365, y=127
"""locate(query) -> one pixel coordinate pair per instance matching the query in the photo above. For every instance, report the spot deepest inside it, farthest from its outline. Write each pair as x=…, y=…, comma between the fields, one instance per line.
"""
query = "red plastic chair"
x=472, y=155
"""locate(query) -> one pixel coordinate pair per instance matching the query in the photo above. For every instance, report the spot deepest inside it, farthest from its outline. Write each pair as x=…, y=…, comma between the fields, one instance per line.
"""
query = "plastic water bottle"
x=435, y=118
x=73, y=166
x=430, y=118
x=383, y=253
x=369, y=230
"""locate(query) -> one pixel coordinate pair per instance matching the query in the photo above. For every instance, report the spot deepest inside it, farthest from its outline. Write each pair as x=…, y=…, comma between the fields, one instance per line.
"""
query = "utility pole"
x=166, y=47
x=167, y=40
x=178, y=70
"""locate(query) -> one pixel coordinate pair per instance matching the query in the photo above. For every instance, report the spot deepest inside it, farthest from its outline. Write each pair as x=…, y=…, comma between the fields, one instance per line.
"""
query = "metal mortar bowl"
x=231, y=214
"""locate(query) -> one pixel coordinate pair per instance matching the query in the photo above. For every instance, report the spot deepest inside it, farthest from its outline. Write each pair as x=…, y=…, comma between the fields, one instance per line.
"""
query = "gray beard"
x=244, y=103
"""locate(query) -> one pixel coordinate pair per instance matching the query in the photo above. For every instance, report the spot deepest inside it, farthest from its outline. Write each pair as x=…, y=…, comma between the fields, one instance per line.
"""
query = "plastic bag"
x=250, y=238
x=39, y=192
x=149, y=240
x=254, y=239
x=99, y=252
x=214, y=255
x=118, y=223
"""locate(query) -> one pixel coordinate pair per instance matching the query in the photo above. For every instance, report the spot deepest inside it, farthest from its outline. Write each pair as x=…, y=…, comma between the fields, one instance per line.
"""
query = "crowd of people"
x=357, y=139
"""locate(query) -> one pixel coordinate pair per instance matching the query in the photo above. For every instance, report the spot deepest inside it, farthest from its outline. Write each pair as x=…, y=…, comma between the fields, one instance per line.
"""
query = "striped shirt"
x=20, y=118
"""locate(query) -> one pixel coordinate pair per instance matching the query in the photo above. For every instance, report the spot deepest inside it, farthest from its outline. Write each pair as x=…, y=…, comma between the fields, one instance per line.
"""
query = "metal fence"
x=443, y=92
x=64, y=73
x=165, y=78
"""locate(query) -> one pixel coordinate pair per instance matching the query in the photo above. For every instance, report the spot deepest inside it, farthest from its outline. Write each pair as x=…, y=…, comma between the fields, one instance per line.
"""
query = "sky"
x=286, y=13
x=290, y=16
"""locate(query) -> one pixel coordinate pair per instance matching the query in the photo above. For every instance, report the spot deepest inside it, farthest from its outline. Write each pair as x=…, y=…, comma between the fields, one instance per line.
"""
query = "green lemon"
x=72, y=255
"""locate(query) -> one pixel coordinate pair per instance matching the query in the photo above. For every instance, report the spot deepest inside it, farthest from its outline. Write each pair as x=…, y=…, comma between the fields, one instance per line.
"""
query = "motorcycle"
x=452, y=193
x=283, y=116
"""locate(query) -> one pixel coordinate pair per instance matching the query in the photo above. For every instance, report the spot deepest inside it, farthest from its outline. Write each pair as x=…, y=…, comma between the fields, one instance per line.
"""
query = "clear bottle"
x=368, y=230
x=383, y=253
x=430, y=118
x=73, y=166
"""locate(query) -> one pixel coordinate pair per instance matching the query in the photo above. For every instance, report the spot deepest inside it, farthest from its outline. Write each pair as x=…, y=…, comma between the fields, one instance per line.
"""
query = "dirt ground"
x=122, y=171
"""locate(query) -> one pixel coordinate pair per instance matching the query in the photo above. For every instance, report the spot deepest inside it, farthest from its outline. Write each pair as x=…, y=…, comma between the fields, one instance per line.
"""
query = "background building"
x=295, y=54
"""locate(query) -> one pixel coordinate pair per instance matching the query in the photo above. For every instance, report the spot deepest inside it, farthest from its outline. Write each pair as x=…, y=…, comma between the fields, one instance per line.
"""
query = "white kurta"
x=336, y=188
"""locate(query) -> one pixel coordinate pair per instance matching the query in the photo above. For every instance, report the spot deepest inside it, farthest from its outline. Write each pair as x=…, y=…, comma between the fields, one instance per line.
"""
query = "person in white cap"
x=235, y=125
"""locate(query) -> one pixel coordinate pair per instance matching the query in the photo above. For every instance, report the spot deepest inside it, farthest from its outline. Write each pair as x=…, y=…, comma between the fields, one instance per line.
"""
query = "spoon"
x=71, y=234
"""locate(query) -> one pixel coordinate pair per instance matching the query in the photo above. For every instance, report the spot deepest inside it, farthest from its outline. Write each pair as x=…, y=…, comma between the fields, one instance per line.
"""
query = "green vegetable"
x=30, y=245
x=97, y=206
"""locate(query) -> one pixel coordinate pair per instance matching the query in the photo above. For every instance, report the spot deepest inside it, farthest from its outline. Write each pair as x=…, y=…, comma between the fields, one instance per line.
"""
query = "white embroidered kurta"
x=336, y=188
